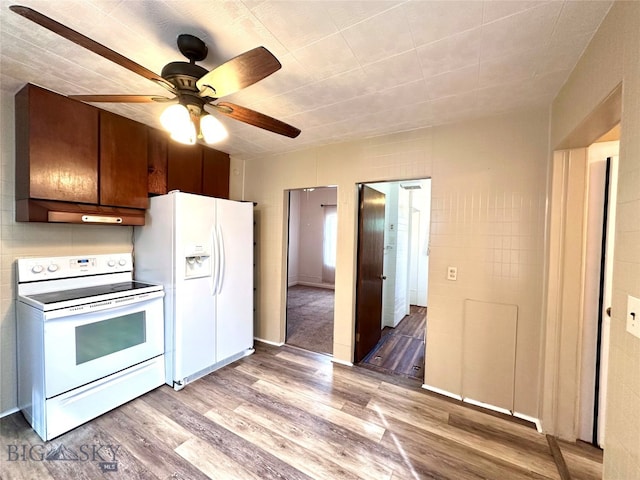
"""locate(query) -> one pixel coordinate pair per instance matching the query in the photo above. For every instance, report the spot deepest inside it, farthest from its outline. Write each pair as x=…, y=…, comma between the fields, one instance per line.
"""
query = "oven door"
x=79, y=349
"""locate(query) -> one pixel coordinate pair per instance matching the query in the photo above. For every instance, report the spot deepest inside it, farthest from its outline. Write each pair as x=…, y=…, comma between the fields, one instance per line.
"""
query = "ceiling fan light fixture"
x=187, y=135
x=175, y=118
x=212, y=129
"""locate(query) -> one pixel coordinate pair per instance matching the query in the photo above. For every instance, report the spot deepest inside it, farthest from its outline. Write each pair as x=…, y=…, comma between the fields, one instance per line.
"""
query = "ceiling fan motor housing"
x=183, y=75
x=192, y=47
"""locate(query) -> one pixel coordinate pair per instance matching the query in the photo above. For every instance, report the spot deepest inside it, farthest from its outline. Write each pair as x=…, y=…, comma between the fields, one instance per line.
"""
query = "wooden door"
x=370, y=274
x=123, y=162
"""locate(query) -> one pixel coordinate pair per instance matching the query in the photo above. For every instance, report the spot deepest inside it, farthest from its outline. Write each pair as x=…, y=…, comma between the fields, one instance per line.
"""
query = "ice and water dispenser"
x=197, y=262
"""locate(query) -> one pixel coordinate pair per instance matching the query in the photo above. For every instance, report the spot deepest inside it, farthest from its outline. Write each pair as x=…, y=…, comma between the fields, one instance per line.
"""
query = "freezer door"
x=234, y=234
x=194, y=325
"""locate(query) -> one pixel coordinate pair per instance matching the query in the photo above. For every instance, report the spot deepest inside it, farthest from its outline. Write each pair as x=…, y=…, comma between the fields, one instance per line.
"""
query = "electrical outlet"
x=452, y=273
x=633, y=316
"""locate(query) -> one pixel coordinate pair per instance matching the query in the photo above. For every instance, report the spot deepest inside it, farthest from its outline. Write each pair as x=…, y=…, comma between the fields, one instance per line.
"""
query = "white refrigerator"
x=201, y=250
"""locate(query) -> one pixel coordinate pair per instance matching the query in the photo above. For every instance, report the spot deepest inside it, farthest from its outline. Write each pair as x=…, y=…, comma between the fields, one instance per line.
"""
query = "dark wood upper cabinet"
x=56, y=147
x=123, y=162
x=76, y=163
x=184, y=167
x=215, y=173
x=189, y=168
x=157, y=146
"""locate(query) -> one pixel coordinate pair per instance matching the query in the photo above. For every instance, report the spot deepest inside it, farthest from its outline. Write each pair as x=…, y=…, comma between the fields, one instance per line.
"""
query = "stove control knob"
x=122, y=262
x=53, y=267
x=111, y=263
x=37, y=269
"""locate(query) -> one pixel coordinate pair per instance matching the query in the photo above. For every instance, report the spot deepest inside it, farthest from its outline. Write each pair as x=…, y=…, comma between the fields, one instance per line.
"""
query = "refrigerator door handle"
x=214, y=270
x=221, y=255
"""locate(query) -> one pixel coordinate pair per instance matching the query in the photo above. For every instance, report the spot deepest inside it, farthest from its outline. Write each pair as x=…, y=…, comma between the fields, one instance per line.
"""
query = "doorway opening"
x=312, y=234
x=392, y=276
x=602, y=179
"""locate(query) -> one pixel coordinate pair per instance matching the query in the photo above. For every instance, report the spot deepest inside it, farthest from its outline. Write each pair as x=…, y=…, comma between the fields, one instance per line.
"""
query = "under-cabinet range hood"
x=30, y=210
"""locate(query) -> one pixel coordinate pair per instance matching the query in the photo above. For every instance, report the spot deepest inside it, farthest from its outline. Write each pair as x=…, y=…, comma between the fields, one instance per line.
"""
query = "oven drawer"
x=74, y=408
x=83, y=348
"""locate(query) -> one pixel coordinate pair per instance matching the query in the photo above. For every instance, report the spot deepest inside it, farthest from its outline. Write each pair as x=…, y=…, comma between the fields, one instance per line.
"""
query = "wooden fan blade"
x=89, y=44
x=256, y=119
x=122, y=98
x=239, y=72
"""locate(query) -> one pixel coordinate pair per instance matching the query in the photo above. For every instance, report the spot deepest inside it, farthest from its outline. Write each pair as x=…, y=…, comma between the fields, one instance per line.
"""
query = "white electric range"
x=90, y=338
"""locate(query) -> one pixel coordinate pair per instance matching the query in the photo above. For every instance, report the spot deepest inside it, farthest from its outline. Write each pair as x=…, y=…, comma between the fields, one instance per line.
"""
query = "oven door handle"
x=88, y=312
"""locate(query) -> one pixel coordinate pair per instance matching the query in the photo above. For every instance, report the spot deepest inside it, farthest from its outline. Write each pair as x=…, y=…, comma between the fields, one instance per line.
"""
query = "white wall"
x=401, y=298
x=33, y=239
x=611, y=58
x=419, y=268
x=488, y=205
x=294, y=236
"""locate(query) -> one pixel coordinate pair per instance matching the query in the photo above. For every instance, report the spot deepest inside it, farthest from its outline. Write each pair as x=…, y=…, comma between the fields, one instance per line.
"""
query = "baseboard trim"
x=9, y=412
x=488, y=406
x=328, y=286
x=528, y=418
x=440, y=391
x=341, y=362
x=268, y=342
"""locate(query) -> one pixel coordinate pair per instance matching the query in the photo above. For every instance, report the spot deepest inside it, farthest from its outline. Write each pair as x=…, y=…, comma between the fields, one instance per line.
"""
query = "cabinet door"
x=157, y=162
x=123, y=162
x=215, y=173
x=56, y=147
x=184, y=168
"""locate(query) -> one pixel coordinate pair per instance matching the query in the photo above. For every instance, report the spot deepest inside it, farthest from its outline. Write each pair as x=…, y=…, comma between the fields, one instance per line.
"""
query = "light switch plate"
x=633, y=316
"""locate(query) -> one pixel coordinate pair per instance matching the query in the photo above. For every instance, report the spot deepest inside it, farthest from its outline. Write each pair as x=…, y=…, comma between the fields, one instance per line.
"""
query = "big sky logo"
x=104, y=455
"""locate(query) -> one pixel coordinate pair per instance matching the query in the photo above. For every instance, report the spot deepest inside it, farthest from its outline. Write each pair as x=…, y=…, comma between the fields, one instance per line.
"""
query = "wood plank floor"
x=400, y=351
x=284, y=413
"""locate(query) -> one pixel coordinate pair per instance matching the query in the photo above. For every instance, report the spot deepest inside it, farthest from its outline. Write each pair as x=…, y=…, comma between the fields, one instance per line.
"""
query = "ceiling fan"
x=192, y=86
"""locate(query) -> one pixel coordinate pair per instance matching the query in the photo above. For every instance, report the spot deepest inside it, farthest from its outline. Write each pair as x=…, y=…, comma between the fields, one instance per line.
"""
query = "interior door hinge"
x=357, y=337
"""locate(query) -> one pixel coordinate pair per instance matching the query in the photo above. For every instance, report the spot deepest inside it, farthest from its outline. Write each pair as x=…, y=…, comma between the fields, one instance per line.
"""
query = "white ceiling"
x=350, y=68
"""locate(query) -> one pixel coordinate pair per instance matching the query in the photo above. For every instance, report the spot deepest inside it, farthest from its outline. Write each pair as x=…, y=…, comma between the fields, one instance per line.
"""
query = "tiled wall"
x=611, y=58
x=488, y=190
x=33, y=239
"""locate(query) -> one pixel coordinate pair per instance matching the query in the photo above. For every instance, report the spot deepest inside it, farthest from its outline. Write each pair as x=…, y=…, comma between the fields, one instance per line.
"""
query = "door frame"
x=559, y=395
x=286, y=250
x=565, y=291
